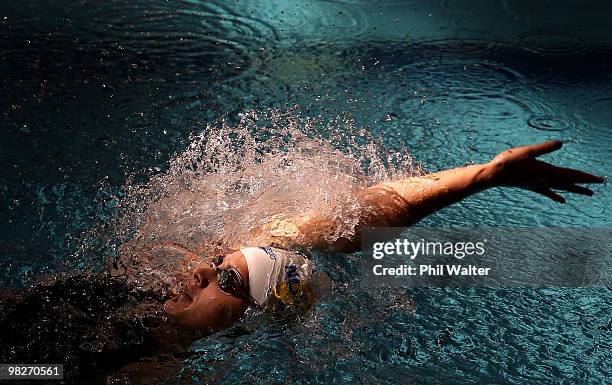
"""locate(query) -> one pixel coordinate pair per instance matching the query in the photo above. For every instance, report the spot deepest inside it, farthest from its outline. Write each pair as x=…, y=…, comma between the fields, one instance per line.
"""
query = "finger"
x=536, y=150
x=549, y=194
x=574, y=189
x=576, y=176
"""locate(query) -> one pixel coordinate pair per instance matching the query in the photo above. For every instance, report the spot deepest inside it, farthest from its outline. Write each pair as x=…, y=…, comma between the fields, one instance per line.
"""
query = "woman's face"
x=203, y=304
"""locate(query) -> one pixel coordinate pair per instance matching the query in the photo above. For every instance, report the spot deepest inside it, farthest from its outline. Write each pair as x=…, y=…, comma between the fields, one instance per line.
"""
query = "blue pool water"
x=93, y=93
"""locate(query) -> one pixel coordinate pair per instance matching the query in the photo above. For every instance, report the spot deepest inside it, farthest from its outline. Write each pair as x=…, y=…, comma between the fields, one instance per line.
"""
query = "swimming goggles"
x=230, y=282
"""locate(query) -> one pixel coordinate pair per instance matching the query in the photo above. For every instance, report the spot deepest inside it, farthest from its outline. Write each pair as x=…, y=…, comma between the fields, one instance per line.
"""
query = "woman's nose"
x=202, y=276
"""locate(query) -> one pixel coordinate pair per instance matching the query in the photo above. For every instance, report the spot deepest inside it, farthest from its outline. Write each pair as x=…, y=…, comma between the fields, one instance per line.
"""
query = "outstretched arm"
x=406, y=201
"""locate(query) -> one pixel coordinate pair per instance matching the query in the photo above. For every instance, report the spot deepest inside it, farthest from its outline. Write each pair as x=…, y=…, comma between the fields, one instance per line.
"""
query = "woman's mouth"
x=175, y=295
x=185, y=292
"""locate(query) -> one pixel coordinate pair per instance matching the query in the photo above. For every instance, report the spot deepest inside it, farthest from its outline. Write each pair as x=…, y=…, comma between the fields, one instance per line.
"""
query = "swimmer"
x=98, y=322
x=218, y=294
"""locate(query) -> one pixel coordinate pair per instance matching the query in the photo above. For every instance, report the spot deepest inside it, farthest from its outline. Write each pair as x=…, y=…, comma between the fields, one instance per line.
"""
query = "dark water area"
x=94, y=94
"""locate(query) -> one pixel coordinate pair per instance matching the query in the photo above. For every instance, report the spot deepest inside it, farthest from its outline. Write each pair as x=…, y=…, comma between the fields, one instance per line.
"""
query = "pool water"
x=97, y=95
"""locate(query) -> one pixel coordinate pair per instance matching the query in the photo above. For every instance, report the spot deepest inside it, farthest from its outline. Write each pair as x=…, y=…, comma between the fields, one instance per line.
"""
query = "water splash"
x=269, y=165
x=235, y=177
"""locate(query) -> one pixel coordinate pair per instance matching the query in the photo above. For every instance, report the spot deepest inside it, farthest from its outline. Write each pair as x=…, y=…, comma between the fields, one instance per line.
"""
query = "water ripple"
x=600, y=109
x=551, y=42
x=448, y=72
x=464, y=46
x=455, y=6
x=193, y=38
x=405, y=3
x=464, y=25
x=550, y=123
x=356, y=23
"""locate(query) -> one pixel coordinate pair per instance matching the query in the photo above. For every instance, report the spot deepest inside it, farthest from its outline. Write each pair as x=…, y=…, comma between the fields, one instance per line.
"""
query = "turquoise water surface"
x=95, y=92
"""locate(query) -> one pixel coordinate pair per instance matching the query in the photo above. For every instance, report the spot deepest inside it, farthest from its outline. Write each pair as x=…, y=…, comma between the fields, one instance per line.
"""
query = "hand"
x=518, y=167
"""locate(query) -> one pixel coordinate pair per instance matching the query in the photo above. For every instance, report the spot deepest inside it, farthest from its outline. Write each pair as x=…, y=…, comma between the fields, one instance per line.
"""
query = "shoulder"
x=280, y=232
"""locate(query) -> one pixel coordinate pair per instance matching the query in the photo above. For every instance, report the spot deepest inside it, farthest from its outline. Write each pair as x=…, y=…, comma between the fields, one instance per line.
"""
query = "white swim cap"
x=270, y=266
